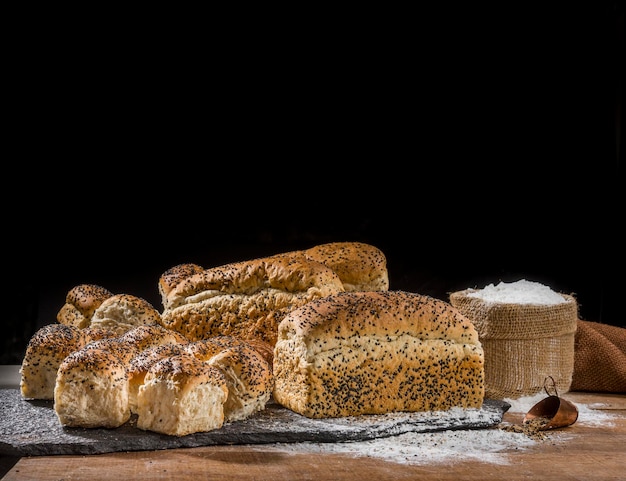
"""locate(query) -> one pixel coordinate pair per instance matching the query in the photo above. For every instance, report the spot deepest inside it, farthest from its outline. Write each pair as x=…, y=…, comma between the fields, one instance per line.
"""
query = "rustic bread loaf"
x=181, y=395
x=81, y=302
x=45, y=351
x=246, y=299
x=354, y=353
x=91, y=390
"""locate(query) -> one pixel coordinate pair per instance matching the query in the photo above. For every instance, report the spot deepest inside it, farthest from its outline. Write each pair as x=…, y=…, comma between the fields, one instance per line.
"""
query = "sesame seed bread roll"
x=356, y=353
x=249, y=380
x=247, y=373
x=360, y=266
x=139, y=366
x=181, y=395
x=45, y=351
x=246, y=299
x=122, y=312
x=80, y=303
x=91, y=390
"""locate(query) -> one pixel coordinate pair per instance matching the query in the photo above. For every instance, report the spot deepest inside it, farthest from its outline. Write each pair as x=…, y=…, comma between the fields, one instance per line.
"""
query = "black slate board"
x=31, y=428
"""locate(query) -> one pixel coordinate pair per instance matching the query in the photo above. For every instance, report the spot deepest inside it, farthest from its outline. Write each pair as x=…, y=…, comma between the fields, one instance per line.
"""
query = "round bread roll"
x=356, y=353
x=80, y=303
x=91, y=390
x=181, y=395
x=45, y=351
x=122, y=312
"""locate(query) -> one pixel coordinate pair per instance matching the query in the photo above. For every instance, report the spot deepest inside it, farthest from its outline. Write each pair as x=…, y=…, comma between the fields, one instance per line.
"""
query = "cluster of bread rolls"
x=317, y=329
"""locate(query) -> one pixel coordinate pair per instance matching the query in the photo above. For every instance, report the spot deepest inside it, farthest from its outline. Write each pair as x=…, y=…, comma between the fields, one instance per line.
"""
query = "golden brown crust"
x=80, y=303
x=360, y=266
x=246, y=299
x=132, y=342
x=45, y=351
x=171, y=277
x=378, y=313
x=335, y=356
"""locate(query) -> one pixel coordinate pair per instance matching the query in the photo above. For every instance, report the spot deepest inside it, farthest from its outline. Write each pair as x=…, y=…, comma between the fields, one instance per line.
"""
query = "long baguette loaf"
x=355, y=353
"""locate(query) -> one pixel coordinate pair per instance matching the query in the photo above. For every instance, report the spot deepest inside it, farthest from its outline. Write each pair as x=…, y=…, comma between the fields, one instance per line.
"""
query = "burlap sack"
x=600, y=358
x=523, y=343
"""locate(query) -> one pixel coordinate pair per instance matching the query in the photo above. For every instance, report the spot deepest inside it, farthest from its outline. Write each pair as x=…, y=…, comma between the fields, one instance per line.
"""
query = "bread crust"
x=360, y=266
x=358, y=353
x=171, y=277
x=246, y=299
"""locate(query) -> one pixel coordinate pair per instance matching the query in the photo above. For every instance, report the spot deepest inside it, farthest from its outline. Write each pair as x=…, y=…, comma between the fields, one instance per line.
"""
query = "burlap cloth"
x=599, y=358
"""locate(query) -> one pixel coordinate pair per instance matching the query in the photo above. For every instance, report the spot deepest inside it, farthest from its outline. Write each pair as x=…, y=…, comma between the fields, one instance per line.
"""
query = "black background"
x=471, y=149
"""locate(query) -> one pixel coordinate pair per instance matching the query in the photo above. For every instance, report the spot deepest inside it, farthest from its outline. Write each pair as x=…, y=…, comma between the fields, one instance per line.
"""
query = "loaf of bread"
x=80, y=303
x=182, y=395
x=91, y=390
x=45, y=351
x=354, y=353
x=246, y=299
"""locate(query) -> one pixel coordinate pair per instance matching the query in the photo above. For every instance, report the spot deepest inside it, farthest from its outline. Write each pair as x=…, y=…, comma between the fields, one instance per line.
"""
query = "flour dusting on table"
x=490, y=445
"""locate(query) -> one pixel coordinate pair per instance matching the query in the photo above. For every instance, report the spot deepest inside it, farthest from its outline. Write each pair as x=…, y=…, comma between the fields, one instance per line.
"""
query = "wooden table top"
x=590, y=452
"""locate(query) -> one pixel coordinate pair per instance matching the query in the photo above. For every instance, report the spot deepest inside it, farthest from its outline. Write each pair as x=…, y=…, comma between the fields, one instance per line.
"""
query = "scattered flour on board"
x=489, y=445
x=518, y=292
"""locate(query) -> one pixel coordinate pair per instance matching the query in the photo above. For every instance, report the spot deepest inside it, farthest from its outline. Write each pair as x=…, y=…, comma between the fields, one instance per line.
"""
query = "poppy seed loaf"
x=246, y=299
x=356, y=353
